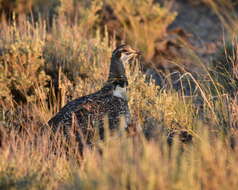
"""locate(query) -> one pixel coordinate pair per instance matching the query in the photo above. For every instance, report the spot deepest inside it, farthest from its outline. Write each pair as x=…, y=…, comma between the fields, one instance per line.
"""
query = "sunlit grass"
x=43, y=68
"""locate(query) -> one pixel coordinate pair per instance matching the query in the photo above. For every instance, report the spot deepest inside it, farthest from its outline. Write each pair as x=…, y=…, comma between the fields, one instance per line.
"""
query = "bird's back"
x=91, y=110
x=66, y=112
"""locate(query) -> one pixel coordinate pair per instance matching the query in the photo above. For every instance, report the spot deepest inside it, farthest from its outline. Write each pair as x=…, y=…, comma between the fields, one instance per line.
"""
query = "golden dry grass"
x=42, y=68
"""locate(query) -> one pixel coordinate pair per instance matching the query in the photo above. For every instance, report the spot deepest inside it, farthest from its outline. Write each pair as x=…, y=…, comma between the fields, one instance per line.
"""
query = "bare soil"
x=203, y=25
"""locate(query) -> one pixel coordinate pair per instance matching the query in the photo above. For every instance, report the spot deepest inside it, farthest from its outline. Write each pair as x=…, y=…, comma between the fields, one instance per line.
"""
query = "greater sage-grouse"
x=110, y=102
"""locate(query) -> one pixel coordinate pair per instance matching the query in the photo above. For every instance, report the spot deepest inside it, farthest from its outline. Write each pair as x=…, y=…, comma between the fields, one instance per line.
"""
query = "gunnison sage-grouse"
x=110, y=101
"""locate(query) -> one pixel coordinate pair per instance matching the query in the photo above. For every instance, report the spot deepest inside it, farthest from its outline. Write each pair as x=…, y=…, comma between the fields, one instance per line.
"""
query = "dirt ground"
x=198, y=20
x=204, y=32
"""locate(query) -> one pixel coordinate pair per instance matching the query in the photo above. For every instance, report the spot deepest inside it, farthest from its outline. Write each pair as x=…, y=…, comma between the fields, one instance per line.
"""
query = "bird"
x=110, y=101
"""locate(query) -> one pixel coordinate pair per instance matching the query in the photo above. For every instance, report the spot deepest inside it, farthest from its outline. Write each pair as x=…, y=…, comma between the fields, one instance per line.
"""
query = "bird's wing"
x=91, y=103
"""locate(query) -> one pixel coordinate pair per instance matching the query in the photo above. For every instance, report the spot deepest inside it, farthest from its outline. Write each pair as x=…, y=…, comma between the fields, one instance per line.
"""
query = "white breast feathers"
x=120, y=92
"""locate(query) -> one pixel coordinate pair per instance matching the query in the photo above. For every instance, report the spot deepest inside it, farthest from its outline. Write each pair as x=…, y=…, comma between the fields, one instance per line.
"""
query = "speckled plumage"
x=89, y=111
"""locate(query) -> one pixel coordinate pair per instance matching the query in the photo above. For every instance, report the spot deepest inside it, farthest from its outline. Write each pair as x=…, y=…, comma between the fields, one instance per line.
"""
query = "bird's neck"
x=117, y=70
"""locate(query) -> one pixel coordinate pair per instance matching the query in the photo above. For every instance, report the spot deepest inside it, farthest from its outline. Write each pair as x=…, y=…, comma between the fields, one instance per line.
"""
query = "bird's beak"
x=136, y=53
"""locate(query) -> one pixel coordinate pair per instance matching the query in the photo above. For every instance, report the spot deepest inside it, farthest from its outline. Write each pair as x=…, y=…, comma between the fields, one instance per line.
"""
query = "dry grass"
x=225, y=10
x=41, y=69
x=142, y=23
x=30, y=162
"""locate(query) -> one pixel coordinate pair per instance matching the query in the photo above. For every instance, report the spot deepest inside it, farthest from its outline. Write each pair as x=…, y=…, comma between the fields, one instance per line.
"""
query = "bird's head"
x=122, y=55
x=125, y=53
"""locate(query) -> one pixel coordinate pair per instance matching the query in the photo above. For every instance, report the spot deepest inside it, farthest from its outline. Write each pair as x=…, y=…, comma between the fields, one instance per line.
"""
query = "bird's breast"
x=120, y=92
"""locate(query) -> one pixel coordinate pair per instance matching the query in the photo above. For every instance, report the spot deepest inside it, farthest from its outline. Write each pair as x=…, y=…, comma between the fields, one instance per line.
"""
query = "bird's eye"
x=124, y=51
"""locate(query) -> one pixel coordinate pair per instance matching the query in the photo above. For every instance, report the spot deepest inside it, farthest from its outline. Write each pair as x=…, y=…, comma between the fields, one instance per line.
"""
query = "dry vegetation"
x=48, y=59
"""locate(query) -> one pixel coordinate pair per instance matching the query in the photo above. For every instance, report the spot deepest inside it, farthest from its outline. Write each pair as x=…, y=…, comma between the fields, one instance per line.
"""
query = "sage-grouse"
x=109, y=102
